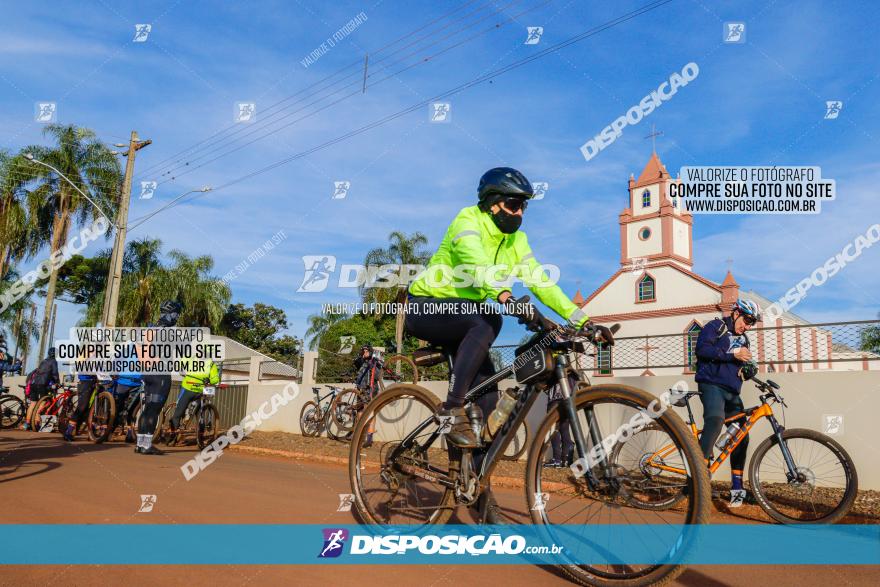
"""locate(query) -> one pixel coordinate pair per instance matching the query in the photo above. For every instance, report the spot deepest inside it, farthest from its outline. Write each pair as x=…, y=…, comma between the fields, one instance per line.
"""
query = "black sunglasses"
x=750, y=320
x=514, y=204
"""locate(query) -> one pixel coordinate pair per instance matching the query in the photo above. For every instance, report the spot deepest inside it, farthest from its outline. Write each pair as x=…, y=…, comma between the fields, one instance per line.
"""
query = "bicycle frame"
x=751, y=416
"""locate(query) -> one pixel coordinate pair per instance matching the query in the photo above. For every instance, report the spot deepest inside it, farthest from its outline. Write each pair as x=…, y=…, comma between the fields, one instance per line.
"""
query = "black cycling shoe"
x=461, y=434
x=553, y=464
x=138, y=449
x=368, y=442
x=129, y=437
x=152, y=451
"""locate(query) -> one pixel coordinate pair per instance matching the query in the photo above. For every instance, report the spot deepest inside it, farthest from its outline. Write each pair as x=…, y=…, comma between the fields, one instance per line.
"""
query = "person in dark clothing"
x=156, y=389
x=722, y=349
x=85, y=386
x=42, y=379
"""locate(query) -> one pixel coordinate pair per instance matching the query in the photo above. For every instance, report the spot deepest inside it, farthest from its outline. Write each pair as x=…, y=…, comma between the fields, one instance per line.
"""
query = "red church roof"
x=653, y=171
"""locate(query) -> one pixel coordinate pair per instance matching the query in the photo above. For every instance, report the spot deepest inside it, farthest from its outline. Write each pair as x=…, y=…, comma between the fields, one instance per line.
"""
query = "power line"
x=356, y=92
x=358, y=62
x=490, y=75
x=267, y=123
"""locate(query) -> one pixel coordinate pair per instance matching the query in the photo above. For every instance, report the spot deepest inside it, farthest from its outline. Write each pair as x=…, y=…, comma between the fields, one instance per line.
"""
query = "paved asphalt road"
x=43, y=480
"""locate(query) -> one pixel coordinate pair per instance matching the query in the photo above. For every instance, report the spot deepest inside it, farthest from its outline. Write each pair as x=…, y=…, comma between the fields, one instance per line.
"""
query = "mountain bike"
x=201, y=420
x=101, y=419
x=409, y=477
x=55, y=409
x=13, y=409
x=346, y=407
x=313, y=414
x=797, y=476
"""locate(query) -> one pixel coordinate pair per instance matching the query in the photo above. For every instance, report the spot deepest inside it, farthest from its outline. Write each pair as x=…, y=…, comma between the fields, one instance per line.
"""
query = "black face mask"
x=506, y=222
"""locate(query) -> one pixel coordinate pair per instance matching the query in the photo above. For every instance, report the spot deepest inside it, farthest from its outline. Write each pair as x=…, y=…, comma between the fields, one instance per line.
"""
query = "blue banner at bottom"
x=451, y=544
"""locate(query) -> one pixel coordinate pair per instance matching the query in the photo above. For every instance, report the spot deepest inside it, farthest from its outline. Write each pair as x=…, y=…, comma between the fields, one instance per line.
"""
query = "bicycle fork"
x=792, y=473
x=577, y=431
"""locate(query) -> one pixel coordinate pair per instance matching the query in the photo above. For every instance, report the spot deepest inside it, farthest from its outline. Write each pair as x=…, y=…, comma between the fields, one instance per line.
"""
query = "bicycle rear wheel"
x=310, y=424
x=345, y=410
x=400, y=369
x=826, y=486
x=39, y=411
x=385, y=478
x=557, y=496
x=12, y=411
x=656, y=474
x=102, y=417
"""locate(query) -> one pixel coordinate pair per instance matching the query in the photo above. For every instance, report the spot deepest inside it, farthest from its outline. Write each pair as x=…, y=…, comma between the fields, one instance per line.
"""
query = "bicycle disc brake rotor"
x=806, y=481
x=646, y=468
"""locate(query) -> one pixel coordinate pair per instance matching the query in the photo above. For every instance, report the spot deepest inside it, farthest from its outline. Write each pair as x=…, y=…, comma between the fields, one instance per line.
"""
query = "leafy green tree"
x=54, y=206
x=259, y=327
x=870, y=339
x=333, y=364
x=82, y=279
x=318, y=326
x=17, y=242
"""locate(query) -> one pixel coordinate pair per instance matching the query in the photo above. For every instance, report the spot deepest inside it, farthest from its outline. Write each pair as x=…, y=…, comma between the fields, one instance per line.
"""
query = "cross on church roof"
x=653, y=136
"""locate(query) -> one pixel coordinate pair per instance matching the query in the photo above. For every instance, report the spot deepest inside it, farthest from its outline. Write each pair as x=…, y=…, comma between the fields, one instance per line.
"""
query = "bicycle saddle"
x=429, y=355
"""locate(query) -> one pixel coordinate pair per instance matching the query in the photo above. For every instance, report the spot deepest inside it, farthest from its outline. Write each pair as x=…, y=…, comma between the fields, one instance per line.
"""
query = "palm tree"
x=16, y=241
x=15, y=317
x=403, y=250
x=54, y=205
x=147, y=282
x=319, y=324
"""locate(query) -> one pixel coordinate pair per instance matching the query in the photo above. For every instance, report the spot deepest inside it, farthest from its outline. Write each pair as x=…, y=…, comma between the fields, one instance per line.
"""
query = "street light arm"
x=30, y=157
x=143, y=219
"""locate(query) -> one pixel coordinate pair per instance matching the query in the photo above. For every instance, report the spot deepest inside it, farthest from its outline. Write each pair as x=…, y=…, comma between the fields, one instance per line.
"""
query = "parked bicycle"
x=52, y=412
x=798, y=476
x=408, y=477
x=101, y=418
x=13, y=409
x=313, y=416
x=348, y=405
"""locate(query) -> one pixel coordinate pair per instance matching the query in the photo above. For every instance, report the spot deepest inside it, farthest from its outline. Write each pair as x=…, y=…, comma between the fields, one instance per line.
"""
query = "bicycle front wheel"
x=39, y=412
x=559, y=497
x=102, y=417
x=310, y=422
x=518, y=445
x=825, y=487
x=12, y=411
x=208, y=425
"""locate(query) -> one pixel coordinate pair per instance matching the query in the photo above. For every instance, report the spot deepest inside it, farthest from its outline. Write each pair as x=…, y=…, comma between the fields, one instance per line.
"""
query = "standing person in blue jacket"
x=722, y=350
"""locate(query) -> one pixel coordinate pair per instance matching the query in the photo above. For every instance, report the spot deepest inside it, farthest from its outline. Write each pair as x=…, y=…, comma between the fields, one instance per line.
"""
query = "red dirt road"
x=43, y=480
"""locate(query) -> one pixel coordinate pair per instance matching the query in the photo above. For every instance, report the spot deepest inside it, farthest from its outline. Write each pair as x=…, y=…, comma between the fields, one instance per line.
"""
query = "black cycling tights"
x=465, y=328
x=156, y=389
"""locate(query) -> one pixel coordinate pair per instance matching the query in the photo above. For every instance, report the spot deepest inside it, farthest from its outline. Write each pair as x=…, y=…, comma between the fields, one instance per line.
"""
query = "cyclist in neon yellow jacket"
x=193, y=384
x=482, y=252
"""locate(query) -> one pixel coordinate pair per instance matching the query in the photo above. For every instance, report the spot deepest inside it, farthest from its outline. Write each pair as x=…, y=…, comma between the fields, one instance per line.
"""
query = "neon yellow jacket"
x=195, y=380
x=471, y=245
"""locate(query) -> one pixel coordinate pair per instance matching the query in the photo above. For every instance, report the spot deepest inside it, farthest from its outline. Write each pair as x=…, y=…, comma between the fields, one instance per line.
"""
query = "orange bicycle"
x=798, y=476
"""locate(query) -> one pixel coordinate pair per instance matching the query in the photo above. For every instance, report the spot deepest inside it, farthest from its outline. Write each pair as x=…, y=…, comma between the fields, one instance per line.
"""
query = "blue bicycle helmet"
x=748, y=308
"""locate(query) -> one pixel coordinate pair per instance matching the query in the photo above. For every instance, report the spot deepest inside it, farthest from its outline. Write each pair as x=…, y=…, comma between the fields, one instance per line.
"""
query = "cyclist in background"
x=42, y=380
x=192, y=385
x=85, y=386
x=561, y=440
x=722, y=351
x=156, y=388
x=367, y=380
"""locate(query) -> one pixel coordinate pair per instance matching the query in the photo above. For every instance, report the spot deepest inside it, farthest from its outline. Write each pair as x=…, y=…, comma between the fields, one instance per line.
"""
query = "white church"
x=662, y=304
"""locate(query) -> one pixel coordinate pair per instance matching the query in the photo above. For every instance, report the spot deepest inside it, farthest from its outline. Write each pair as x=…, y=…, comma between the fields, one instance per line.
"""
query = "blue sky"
x=757, y=103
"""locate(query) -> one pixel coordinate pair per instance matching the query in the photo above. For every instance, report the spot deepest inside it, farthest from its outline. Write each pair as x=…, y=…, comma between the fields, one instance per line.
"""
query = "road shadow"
x=20, y=451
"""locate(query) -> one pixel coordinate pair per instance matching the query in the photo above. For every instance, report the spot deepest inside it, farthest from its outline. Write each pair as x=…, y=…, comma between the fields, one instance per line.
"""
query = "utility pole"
x=114, y=275
x=16, y=331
